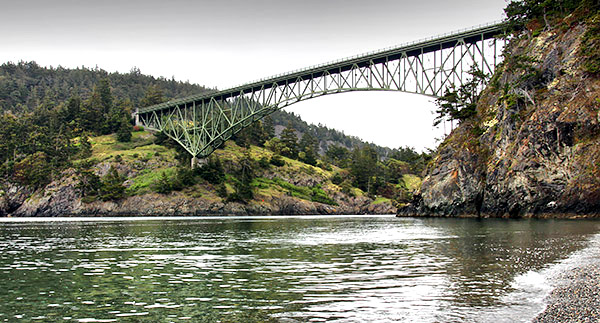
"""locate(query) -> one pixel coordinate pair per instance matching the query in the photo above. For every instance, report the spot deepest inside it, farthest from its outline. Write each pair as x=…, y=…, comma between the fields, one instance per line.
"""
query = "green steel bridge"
x=202, y=123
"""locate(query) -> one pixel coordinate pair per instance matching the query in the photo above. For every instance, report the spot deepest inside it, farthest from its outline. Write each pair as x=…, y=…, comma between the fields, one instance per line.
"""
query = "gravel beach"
x=576, y=293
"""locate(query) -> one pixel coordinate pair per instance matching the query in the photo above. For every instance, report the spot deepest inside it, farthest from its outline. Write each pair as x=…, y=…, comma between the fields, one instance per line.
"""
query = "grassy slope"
x=145, y=162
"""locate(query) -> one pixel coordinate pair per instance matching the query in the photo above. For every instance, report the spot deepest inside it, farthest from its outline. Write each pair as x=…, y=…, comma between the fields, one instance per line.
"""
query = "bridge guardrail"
x=422, y=40
x=175, y=102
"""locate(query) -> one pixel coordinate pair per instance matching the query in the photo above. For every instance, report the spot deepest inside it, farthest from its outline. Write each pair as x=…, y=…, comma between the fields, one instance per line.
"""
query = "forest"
x=48, y=116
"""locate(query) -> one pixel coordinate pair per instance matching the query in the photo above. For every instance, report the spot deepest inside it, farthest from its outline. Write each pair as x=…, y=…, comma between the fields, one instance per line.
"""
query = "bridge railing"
x=378, y=51
x=316, y=68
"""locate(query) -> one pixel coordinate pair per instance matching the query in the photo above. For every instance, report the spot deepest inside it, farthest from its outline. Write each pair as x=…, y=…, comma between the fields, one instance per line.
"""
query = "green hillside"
x=89, y=135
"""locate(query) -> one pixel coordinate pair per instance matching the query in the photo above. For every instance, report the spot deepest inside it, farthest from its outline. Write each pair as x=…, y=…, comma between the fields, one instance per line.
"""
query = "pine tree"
x=290, y=142
x=85, y=147
x=163, y=186
x=112, y=186
x=460, y=103
x=309, y=147
x=124, y=131
x=106, y=99
x=89, y=183
x=268, y=127
x=154, y=95
x=365, y=169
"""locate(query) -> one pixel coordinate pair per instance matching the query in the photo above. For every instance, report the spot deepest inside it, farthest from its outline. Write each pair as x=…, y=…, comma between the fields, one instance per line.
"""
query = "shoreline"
x=545, y=216
x=539, y=216
x=67, y=218
x=575, y=295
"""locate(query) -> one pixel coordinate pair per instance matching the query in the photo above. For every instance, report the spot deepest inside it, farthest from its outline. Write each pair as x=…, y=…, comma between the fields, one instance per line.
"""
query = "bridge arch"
x=202, y=123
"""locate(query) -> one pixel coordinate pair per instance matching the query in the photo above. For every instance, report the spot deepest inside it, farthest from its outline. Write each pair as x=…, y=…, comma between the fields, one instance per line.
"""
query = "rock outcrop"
x=533, y=150
x=62, y=197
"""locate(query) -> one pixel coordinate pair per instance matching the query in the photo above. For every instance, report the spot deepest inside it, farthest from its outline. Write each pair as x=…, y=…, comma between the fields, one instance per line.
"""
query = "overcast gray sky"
x=229, y=42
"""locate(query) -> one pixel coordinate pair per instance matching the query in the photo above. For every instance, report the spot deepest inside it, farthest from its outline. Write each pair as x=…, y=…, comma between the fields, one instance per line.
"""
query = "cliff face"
x=533, y=150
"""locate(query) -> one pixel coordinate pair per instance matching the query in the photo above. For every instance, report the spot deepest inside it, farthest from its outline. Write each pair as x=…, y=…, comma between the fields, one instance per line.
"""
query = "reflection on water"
x=289, y=269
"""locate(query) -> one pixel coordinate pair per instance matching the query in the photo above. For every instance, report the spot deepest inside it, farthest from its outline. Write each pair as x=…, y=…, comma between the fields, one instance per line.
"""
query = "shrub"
x=112, y=186
x=89, y=185
x=33, y=170
x=337, y=179
x=163, y=185
x=212, y=171
x=263, y=162
x=124, y=132
x=277, y=160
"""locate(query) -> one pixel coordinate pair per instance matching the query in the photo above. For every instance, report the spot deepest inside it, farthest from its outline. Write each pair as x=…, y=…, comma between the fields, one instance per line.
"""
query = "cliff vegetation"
x=531, y=146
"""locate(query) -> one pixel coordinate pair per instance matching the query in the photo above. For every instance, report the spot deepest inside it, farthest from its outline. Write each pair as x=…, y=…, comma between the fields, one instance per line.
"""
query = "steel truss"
x=203, y=123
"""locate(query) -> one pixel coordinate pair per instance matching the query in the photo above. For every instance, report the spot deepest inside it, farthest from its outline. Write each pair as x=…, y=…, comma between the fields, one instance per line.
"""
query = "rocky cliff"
x=533, y=149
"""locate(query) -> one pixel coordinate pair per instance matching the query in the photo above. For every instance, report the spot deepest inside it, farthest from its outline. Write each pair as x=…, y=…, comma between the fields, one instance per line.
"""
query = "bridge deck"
x=420, y=47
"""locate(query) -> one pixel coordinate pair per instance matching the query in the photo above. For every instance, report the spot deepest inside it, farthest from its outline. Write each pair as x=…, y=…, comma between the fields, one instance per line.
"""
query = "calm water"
x=283, y=269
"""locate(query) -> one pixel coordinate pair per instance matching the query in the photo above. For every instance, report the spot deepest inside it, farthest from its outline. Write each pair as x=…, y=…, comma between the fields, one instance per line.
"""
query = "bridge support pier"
x=136, y=116
x=198, y=162
x=201, y=123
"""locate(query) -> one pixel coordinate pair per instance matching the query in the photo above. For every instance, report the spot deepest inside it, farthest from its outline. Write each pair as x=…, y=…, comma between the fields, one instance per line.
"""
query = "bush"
x=138, y=128
x=337, y=179
x=318, y=195
x=264, y=163
x=112, y=186
x=163, y=185
x=212, y=171
x=277, y=160
x=33, y=170
x=124, y=132
x=89, y=185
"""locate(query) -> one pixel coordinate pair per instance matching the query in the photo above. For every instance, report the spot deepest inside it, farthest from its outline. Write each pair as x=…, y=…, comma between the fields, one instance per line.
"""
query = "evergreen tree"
x=33, y=170
x=184, y=177
x=92, y=113
x=154, y=95
x=244, y=176
x=268, y=127
x=85, y=147
x=112, y=186
x=163, y=186
x=309, y=146
x=89, y=184
x=69, y=113
x=338, y=155
x=365, y=169
x=212, y=171
x=290, y=142
x=124, y=131
x=106, y=99
x=461, y=103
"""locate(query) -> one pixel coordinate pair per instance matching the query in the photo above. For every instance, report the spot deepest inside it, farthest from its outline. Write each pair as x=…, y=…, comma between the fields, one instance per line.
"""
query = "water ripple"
x=344, y=269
